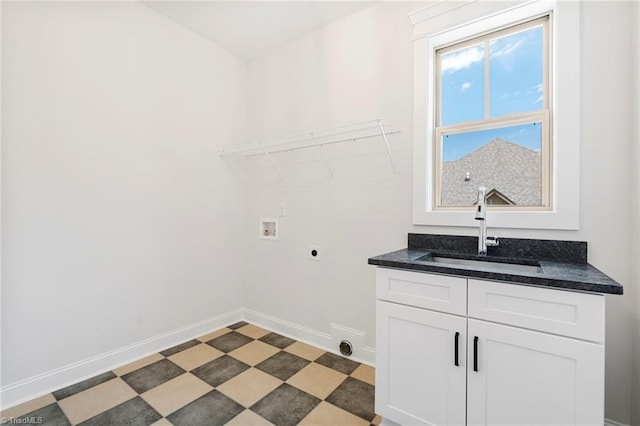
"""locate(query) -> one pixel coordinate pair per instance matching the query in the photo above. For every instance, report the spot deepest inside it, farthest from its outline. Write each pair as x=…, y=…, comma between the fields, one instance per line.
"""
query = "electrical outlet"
x=314, y=252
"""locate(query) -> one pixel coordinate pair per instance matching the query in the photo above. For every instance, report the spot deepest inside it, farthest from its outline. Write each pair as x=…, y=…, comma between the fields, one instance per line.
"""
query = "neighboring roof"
x=502, y=166
x=494, y=194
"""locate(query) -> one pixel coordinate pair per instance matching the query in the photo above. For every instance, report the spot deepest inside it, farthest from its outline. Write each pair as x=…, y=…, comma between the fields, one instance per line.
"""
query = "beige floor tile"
x=326, y=414
x=365, y=373
x=254, y=352
x=249, y=418
x=305, y=351
x=317, y=380
x=249, y=387
x=195, y=356
x=29, y=406
x=121, y=371
x=86, y=404
x=162, y=422
x=176, y=393
x=214, y=334
x=253, y=331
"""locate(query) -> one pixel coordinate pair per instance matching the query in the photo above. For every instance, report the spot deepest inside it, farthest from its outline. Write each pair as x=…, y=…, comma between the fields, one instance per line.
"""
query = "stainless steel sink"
x=530, y=267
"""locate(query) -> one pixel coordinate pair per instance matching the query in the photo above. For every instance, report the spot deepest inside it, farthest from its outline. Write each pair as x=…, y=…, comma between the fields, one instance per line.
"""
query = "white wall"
x=606, y=176
x=360, y=68
x=635, y=252
x=356, y=69
x=120, y=222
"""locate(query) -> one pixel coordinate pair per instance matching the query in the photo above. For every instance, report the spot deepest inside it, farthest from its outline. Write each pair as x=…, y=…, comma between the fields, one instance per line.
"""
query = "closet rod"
x=315, y=138
x=260, y=149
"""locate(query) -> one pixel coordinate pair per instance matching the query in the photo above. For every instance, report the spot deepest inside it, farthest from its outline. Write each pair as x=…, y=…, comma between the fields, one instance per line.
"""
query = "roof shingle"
x=500, y=165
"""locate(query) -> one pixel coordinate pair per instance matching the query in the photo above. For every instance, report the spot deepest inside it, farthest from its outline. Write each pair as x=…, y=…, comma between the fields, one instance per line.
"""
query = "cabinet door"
x=417, y=379
x=526, y=377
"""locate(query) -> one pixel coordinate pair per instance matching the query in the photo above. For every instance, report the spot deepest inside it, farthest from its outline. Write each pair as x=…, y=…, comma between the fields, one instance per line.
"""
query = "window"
x=497, y=104
x=492, y=118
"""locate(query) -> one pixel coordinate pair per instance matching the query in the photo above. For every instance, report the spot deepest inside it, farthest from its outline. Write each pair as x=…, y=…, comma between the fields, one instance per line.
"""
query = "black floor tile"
x=229, y=342
x=356, y=397
x=84, y=385
x=180, y=348
x=211, y=409
x=282, y=365
x=338, y=363
x=277, y=340
x=285, y=406
x=51, y=415
x=135, y=412
x=237, y=325
x=152, y=375
x=220, y=370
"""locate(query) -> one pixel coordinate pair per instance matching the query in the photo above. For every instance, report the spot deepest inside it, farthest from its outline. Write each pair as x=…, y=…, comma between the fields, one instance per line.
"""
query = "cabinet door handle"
x=475, y=353
x=455, y=350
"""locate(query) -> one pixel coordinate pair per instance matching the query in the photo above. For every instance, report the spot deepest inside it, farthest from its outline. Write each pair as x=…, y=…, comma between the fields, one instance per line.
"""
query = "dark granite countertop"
x=560, y=264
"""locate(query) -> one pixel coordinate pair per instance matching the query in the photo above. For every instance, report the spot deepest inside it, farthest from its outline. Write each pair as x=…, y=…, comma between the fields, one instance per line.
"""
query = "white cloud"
x=465, y=86
x=463, y=59
x=509, y=48
x=538, y=88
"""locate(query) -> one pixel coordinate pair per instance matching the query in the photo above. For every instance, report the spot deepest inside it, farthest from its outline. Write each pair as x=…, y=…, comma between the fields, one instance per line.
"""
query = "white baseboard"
x=41, y=384
x=608, y=422
x=387, y=422
x=295, y=331
x=369, y=355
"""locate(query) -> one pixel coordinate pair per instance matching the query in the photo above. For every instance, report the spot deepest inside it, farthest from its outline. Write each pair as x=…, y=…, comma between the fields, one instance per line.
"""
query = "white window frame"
x=445, y=23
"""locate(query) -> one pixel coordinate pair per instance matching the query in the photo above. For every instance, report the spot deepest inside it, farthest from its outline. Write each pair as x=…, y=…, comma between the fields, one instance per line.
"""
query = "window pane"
x=506, y=161
x=515, y=73
x=462, y=85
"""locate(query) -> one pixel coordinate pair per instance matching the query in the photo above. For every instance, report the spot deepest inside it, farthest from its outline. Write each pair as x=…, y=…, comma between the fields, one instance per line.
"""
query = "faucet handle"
x=492, y=241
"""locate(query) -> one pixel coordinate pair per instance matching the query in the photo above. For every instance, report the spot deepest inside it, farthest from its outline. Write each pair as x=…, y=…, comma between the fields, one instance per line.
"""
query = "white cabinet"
x=420, y=355
x=526, y=377
x=525, y=355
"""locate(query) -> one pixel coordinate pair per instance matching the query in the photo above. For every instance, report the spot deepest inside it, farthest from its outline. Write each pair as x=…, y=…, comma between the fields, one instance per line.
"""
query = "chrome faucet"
x=481, y=215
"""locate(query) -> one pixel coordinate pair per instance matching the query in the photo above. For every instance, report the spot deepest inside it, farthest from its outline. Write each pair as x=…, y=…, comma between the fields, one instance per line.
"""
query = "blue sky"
x=515, y=85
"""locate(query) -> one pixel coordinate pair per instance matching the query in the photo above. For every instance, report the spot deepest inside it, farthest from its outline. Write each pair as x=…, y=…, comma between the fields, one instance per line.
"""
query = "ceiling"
x=250, y=28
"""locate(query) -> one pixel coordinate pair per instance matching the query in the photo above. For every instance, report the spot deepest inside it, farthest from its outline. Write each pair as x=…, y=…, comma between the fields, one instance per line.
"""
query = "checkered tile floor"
x=240, y=375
